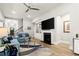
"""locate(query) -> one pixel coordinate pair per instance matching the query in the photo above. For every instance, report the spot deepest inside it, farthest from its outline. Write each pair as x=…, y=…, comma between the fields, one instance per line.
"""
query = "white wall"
x=27, y=23
x=58, y=29
x=74, y=20
x=20, y=23
x=1, y=15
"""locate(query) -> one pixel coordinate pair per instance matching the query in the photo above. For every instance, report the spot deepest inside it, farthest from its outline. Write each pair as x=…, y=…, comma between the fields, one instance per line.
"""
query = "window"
x=1, y=24
x=11, y=23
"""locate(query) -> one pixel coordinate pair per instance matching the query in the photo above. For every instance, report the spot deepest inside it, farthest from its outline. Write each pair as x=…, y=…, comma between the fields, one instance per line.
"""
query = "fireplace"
x=47, y=38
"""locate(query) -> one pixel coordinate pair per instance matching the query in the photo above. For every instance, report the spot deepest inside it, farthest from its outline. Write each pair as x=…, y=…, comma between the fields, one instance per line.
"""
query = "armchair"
x=23, y=37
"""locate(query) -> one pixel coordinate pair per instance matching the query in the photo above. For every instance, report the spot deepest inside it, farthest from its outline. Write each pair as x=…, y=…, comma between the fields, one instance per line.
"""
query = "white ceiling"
x=19, y=8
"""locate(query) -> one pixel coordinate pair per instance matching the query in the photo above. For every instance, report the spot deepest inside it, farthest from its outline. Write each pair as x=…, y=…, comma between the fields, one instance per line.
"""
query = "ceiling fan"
x=30, y=8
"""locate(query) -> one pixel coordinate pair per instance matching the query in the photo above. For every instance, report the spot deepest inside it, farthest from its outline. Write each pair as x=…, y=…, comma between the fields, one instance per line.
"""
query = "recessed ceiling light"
x=13, y=12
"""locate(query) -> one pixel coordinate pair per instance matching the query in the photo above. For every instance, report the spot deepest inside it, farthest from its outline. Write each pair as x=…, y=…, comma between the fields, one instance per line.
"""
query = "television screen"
x=48, y=24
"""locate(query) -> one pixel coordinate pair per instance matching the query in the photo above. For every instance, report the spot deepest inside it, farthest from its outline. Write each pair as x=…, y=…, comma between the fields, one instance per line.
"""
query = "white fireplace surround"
x=52, y=35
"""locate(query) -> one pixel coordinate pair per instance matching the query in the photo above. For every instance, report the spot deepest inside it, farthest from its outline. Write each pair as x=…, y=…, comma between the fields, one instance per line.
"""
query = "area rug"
x=41, y=52
x=26, y=51
x=36, y=50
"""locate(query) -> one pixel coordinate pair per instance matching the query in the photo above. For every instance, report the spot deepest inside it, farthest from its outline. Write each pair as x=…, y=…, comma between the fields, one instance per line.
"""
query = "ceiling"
x=17, y=10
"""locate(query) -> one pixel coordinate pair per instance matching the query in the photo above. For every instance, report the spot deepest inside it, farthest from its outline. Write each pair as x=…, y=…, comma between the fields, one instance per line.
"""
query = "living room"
x=61, y=19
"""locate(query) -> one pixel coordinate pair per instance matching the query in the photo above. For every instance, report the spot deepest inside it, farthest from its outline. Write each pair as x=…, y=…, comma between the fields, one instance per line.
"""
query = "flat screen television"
x=48, y=24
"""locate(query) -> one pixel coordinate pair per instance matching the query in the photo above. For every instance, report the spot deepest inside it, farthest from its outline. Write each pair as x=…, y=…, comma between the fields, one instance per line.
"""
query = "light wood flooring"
x=60, y=49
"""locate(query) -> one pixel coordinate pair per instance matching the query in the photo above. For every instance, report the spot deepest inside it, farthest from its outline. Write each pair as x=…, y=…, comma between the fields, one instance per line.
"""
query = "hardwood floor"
x=61, y=49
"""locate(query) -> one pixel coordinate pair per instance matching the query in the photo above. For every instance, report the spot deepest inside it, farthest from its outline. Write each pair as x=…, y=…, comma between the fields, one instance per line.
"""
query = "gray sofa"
x=21, y=37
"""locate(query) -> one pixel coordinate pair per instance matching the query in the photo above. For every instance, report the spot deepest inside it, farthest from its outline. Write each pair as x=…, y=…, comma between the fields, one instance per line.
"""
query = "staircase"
x=20, y=29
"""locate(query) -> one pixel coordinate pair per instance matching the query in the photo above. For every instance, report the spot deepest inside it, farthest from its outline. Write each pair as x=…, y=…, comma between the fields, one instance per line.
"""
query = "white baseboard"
x=61, y=41
x=56, y=42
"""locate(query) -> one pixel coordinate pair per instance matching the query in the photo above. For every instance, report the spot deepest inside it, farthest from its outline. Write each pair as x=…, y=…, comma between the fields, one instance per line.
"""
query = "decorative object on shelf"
x=66, y=26
x=77, y=35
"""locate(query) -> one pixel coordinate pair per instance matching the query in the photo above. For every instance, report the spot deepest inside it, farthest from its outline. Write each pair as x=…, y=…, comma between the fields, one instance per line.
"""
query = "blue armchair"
x=23, y=37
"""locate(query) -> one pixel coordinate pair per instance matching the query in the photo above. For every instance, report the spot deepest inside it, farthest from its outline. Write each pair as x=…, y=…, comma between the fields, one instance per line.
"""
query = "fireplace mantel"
x=52, y=35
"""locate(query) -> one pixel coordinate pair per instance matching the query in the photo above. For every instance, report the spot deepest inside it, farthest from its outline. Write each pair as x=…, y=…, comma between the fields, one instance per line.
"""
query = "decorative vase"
x=76, y=35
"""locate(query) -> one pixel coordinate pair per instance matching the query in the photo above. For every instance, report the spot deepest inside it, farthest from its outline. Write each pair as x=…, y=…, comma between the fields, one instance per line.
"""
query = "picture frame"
x=66, y=27
x=29, y=28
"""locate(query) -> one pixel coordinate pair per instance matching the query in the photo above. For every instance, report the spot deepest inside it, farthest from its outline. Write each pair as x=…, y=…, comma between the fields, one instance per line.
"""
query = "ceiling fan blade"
x=34, y=8
x=26, y=5
x=27, y=10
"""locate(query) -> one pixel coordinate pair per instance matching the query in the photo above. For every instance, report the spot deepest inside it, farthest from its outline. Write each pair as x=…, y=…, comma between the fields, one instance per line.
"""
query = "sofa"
x=21, y=37
x=13, y=41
